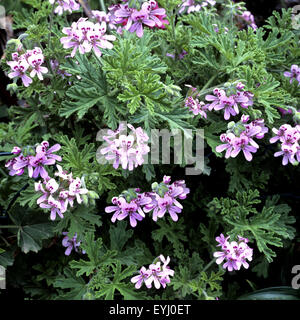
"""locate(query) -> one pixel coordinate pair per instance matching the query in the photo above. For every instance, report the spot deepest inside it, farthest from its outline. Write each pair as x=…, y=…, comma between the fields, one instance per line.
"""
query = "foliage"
x=139, y=82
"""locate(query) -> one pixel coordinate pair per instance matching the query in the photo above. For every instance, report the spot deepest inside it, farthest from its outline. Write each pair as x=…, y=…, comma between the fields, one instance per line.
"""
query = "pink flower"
x=293, y=74
x=126, y=150
x=139, y=18
x=234, y=253
x=138, y=280
x=164, y=199
x=70, y=243
x=248, y=17
x=56, y=196
x=132, y=209
x=85, y=36
x=54, y=206
x=196, y=107
x=288, y=153
x=19, y=68
x=158, y=273
x=65, y=5
x=75, y=190
x=228, y=146
x=36, y=163
x=289, y=138
x=35, y=62
x=194, y=6
x=31, y=61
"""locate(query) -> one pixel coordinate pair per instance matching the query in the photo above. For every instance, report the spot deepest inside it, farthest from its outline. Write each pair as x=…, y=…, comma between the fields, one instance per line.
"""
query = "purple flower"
x=158, y=273
x=196, y=107
x=65, y=5
x=56, y=196
x=126, y=150
x=248, y=17
x=139, y=18
x=85, y=36
x=242, y=144
x=194, y=6
x=36, y=62
x=133, y=209
x=240, y=138
x=293, y=74
x=138, y=280
x=230, y=139
x=31, y=61
x=19, y=68
x=234, y=253
x=289, y=138
x=34, y=163
x=71, y=243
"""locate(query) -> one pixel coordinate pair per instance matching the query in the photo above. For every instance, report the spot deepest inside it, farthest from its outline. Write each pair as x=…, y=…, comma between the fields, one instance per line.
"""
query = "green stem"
x=9, y=227
x=102, y=5
x=209, y=265
x=5, y=241
x=51, y=23
x=208, y=83
x=174, y=33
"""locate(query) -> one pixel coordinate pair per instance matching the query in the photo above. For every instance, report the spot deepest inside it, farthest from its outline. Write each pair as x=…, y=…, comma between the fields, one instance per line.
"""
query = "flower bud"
x=85, y=199
x=93, y=195
x=231, y=125
x=12, y=86
x=154, y=185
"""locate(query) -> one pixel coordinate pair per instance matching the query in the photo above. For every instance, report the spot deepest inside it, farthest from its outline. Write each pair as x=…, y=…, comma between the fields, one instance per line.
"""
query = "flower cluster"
x=71, y=243
x=196, y=106
x=134, y=20
x=56, y=196
x=33, y=162
x=65, y=5
x=30, y=62
x=158, y=272
x=130, y=204
x=240, y=138
x=127, y=150
x=161, y=200
x=230, y=101
x=194, y=6
x=85, y=36
x=289, y=138
x=248, y=18
x=294, y=74
x=234, y=253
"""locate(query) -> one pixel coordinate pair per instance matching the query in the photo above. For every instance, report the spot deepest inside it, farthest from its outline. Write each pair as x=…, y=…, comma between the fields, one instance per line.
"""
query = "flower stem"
x=50, y=27
x=9, y=227
x=208, y=83
x=3, y=154
x=102, y=5
x=209, y=265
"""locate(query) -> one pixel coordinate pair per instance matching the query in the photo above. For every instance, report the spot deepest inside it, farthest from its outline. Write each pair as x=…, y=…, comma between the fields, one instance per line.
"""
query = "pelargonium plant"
x=141, y=130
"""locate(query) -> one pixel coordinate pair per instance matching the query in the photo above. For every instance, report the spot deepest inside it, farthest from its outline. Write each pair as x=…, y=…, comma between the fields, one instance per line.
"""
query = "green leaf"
x=76, y=285
x=119, y=235
x=96, y=255
x=31, y=228
x=86, y=92
x=108, y=290
x=274, y=293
